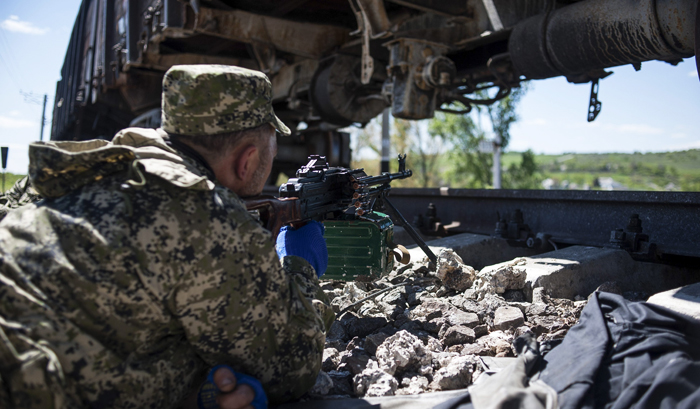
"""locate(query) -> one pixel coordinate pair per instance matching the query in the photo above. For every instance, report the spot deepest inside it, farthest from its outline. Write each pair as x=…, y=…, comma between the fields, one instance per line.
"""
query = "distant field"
x=10, y=179
x=637, y=171
x=678, y=171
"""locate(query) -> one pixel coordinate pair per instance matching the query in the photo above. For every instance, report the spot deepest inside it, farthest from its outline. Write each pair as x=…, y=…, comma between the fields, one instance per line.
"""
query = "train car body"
x=339, y=62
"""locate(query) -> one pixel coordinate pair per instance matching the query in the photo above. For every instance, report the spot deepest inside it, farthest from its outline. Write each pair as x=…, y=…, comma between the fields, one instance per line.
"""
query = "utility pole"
x=386, y=141
x=43, y=119
x=34, y=99
x=497, y=162
x=4, y=150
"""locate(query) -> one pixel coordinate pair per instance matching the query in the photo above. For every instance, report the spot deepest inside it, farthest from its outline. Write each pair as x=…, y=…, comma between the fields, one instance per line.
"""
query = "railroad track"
x=666, y=225
x=652, y=226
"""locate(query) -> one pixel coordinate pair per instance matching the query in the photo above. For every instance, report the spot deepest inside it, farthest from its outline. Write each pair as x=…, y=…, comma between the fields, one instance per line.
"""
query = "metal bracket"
x=633, y=240
x=492, y=12
x=372, y=23
x=594, y=105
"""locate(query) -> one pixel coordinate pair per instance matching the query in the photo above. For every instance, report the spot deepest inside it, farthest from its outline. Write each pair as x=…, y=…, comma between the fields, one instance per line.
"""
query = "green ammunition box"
x=359, y=248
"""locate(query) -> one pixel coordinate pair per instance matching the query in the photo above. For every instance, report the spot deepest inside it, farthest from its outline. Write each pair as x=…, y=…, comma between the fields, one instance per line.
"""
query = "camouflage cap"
x=213, y=99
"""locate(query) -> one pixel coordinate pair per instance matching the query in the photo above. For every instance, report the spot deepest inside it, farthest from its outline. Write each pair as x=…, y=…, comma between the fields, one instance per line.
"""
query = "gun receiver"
x=322, y=193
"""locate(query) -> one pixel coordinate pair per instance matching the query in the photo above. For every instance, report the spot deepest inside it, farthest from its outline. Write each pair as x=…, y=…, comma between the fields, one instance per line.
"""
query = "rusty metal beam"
x=292, y=79
x=163, y=62
x=303, y=39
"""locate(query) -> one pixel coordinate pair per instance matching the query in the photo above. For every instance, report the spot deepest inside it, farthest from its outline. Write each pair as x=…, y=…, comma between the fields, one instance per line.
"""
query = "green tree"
x=468, y=166
x=523, y=175
x=502, y=114
x=407, y=137
x=423, y=152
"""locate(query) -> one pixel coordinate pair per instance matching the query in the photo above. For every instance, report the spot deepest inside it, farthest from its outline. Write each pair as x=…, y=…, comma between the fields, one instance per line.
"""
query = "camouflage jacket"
x=136, y=273
x=20, y=194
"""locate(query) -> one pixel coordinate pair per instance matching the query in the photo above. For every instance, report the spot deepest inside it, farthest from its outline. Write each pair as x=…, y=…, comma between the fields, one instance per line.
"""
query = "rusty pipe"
x=596, y=34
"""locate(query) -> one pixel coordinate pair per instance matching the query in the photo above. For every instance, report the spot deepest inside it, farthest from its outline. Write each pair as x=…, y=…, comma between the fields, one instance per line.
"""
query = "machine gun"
x=355, y=210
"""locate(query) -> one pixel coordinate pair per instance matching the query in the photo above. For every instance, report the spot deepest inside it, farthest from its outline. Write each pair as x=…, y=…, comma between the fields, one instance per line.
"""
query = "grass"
x=10, y=180
x=636, y=171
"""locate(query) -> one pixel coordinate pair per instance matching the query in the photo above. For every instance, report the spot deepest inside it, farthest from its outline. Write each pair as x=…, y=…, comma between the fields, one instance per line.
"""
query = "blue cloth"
x=306, y=242
x=206, y=398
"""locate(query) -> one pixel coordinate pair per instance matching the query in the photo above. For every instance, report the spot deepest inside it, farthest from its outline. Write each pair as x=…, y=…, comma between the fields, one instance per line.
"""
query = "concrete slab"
x=685, y=300
x=579, y=270
x=476, y=250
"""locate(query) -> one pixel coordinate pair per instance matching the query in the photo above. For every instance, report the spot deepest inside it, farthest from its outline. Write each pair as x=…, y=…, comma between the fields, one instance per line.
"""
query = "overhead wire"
x=10, y=73
x=9, y=62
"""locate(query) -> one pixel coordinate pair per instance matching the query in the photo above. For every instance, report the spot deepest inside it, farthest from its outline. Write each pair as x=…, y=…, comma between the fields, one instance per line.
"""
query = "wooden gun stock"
x=276, y=212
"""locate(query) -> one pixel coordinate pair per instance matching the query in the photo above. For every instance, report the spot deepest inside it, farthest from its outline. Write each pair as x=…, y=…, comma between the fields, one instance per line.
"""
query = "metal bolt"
x=617, y=236
x=635, y=224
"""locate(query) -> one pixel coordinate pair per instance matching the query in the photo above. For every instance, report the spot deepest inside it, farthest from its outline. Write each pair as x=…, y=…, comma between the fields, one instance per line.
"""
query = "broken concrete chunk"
x=342, y=383
x=354, y=361
x=498, y=343
x=478, y=349
x=521, y=330
x=457, y=317
x=394, y=297
x=331, y=359
x=542, y=325
x=417, y=297
x=498, y=278
x=435, y=325
x=456, y=375
x=413, y=385
x=433, y=345
x=459, y=335
x=323, y=385
x=391, y=310
x=337, y=332
x=373, y=341
x=428, y=309
x=507, y=318
x=375, y=382
x=481, y=330
x=402, y=351
x=540, y=309
x=540, y=296
x=444, y=358
x=355, y=326
x=453, y=273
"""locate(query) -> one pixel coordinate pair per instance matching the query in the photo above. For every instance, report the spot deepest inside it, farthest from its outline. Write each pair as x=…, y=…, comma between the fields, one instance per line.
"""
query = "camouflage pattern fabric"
x=213, y=99
x=20, y=194
x=137, y=273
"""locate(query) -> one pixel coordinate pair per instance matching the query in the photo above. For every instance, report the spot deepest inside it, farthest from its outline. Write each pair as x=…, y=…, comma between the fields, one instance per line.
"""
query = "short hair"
x=220, y=144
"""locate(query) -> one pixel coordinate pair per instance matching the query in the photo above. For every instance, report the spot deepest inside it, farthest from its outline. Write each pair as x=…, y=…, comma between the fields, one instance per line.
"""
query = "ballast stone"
x=507, y=318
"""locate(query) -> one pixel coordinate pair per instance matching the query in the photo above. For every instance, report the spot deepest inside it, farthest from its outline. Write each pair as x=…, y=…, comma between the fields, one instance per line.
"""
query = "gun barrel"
x=384, y=178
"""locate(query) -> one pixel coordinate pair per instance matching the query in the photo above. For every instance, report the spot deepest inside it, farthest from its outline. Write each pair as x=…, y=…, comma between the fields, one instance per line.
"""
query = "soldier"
x=141, y=268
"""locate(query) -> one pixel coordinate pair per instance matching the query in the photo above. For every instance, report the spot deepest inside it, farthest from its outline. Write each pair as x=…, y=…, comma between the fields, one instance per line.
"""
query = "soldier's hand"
x=226, y=389
x=233, y=395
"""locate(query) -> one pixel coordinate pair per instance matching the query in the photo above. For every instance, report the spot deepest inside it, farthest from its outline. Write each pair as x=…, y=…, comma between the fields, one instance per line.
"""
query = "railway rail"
x=651, y=226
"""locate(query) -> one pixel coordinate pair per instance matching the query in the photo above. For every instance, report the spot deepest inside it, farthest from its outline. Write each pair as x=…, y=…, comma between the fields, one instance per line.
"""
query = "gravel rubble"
x=428, y=333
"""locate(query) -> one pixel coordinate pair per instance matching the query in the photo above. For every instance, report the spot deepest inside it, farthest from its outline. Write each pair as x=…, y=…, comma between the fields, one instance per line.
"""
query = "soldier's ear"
x=247, y=161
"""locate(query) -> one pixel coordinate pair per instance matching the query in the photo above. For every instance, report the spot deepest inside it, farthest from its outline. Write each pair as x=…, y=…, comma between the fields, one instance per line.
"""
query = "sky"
x=652, y=110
